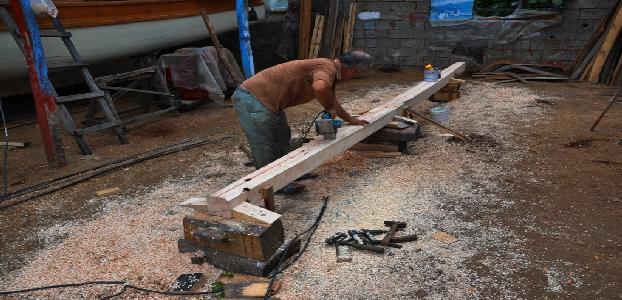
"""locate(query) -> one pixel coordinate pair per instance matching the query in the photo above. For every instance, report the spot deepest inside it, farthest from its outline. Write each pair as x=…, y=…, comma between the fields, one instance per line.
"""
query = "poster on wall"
x=447, y=10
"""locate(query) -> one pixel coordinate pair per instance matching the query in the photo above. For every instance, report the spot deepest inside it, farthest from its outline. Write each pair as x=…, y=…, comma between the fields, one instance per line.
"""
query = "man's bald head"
x=354, y=63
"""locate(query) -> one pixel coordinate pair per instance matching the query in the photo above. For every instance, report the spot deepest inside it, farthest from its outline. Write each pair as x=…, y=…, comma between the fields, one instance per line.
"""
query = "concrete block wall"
x=403, y=36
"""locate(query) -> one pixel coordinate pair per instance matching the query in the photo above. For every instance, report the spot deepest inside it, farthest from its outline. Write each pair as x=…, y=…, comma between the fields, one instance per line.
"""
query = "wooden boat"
x=109, y=30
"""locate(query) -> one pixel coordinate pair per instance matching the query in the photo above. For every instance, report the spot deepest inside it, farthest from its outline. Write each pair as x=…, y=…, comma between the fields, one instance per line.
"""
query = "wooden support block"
x=268, y=198
x=253, y=213
x=445, y=96
x=257, y=241
x=241, y=264
x=15, y=144
x=375, y=147
x=249, y=289
x=378, y=154
x=397, y=125
x=239, y=278
x=344, y=253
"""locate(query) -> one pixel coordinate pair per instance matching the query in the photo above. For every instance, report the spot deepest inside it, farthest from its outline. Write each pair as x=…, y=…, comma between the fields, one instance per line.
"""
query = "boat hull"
x=98, y=44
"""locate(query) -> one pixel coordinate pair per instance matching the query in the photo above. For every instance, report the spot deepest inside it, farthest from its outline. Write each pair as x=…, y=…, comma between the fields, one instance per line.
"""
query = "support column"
x=241, y=7
x=42, y=90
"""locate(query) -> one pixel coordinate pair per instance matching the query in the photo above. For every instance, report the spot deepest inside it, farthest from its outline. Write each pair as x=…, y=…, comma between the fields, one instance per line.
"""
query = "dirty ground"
x=535, y=207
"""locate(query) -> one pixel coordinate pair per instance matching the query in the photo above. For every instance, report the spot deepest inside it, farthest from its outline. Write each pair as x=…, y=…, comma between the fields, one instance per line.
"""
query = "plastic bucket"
x=440, y=114
x=431, y=75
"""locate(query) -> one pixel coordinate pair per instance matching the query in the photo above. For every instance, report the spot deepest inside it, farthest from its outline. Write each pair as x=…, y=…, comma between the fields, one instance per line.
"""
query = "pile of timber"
x=600, y=61
x=523, y=73
x=331, y=33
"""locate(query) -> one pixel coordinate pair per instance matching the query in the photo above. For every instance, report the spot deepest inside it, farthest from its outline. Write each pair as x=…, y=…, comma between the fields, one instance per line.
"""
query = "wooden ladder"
x=102, y=98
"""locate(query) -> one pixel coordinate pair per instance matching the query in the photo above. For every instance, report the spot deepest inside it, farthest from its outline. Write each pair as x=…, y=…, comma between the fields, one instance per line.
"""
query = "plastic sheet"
x=199, y=69
x=276, y=5
x=489, y=31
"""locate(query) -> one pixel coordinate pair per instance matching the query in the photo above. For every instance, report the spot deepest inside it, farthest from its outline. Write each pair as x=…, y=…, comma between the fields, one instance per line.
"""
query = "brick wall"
x=403, y=36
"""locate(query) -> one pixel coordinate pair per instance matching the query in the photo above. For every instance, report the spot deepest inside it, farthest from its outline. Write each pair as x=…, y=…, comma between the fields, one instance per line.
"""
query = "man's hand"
x=356, y=121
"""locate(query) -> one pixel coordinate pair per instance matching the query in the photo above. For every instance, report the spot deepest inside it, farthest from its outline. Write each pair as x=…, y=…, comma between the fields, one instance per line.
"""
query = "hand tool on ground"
x=404, y=238
x=337, y=237
x=392, y=245
x=375, y=231
x=611, y=101
x=395, y=226
x=355, y=235
x=363, y=247
x=327, y=126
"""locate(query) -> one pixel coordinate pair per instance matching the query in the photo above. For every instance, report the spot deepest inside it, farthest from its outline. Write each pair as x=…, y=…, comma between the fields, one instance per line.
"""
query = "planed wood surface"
x=302, y=160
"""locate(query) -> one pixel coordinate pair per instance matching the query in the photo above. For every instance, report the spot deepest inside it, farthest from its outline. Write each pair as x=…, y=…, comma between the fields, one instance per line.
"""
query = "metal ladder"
x=95, y=93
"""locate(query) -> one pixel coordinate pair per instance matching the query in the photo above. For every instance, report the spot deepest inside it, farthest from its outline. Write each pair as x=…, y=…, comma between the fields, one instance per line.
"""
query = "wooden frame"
x=298, y=162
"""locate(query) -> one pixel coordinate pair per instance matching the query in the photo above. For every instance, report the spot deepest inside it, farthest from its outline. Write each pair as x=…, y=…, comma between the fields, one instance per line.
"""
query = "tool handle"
x=389, y=235
x=363, y=247
x=404, y=238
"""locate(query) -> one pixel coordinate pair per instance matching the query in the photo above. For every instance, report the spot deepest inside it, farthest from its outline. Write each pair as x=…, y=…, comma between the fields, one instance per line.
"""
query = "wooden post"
x=246, y=52
x=329, y=29
x=304, y=27
x=42, y=90
x=349, y=29
x=214, y=37
x=268, y=197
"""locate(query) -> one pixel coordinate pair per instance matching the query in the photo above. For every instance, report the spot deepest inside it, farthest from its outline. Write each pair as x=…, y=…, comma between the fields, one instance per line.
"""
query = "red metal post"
x=42, y=90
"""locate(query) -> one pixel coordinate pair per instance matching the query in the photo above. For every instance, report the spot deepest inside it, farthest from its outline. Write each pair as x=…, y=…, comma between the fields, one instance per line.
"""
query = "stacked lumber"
x=523, y=73
x=600, y=60
x=332, y=32
x=449, y=92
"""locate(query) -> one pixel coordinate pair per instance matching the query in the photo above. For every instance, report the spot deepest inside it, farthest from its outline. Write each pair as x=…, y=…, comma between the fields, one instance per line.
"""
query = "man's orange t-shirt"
x=290, y=84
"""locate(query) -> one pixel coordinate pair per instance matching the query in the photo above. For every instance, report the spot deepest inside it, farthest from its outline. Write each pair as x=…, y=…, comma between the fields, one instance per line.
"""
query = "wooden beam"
x=349, y=29
x=329, y=29
x=304, y=28
x=605, y=49
x=219, y=52
x=298, y=162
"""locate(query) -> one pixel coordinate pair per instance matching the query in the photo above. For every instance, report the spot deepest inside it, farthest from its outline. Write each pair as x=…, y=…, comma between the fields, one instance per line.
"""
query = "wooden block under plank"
x=249, y=289
x=378, y=154
x=375, y=147
x=257, y=241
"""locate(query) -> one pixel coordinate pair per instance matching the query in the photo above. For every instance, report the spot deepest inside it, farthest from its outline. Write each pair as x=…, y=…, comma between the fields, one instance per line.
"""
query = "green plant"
x=218, y=287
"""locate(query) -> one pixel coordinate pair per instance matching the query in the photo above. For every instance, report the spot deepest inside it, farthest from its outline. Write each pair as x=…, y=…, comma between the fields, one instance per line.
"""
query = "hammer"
x=395, y=225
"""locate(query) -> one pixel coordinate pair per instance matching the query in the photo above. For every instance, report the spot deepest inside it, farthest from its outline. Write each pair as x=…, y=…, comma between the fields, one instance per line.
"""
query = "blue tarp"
x=451, y=10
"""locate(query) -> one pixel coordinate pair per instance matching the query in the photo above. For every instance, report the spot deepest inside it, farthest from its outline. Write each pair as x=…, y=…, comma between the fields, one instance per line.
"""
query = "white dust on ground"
x=134, y=238
x=443, y=187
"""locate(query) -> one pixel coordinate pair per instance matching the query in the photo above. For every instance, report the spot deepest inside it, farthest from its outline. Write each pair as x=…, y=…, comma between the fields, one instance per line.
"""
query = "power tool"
x=327, y=126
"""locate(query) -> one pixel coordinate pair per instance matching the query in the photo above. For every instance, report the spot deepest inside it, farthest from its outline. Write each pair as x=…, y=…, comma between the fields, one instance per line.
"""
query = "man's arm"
x=325, y=94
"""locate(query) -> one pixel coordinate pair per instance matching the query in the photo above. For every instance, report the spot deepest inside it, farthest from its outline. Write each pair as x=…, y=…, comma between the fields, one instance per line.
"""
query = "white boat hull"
x=99, y=44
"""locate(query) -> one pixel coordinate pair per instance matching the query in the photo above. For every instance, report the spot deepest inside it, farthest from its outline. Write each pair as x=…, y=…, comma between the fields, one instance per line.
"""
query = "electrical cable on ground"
x=126, y=287
x=305, y=132
x=311, y=230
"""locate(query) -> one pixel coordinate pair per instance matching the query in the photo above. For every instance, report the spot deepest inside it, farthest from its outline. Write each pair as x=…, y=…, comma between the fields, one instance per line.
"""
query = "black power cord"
x=126, y=287
x=311, y=230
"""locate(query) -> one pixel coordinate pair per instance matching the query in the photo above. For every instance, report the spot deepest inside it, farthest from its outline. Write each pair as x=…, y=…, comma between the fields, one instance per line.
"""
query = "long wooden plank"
x=605, y=49
x=298, y=162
